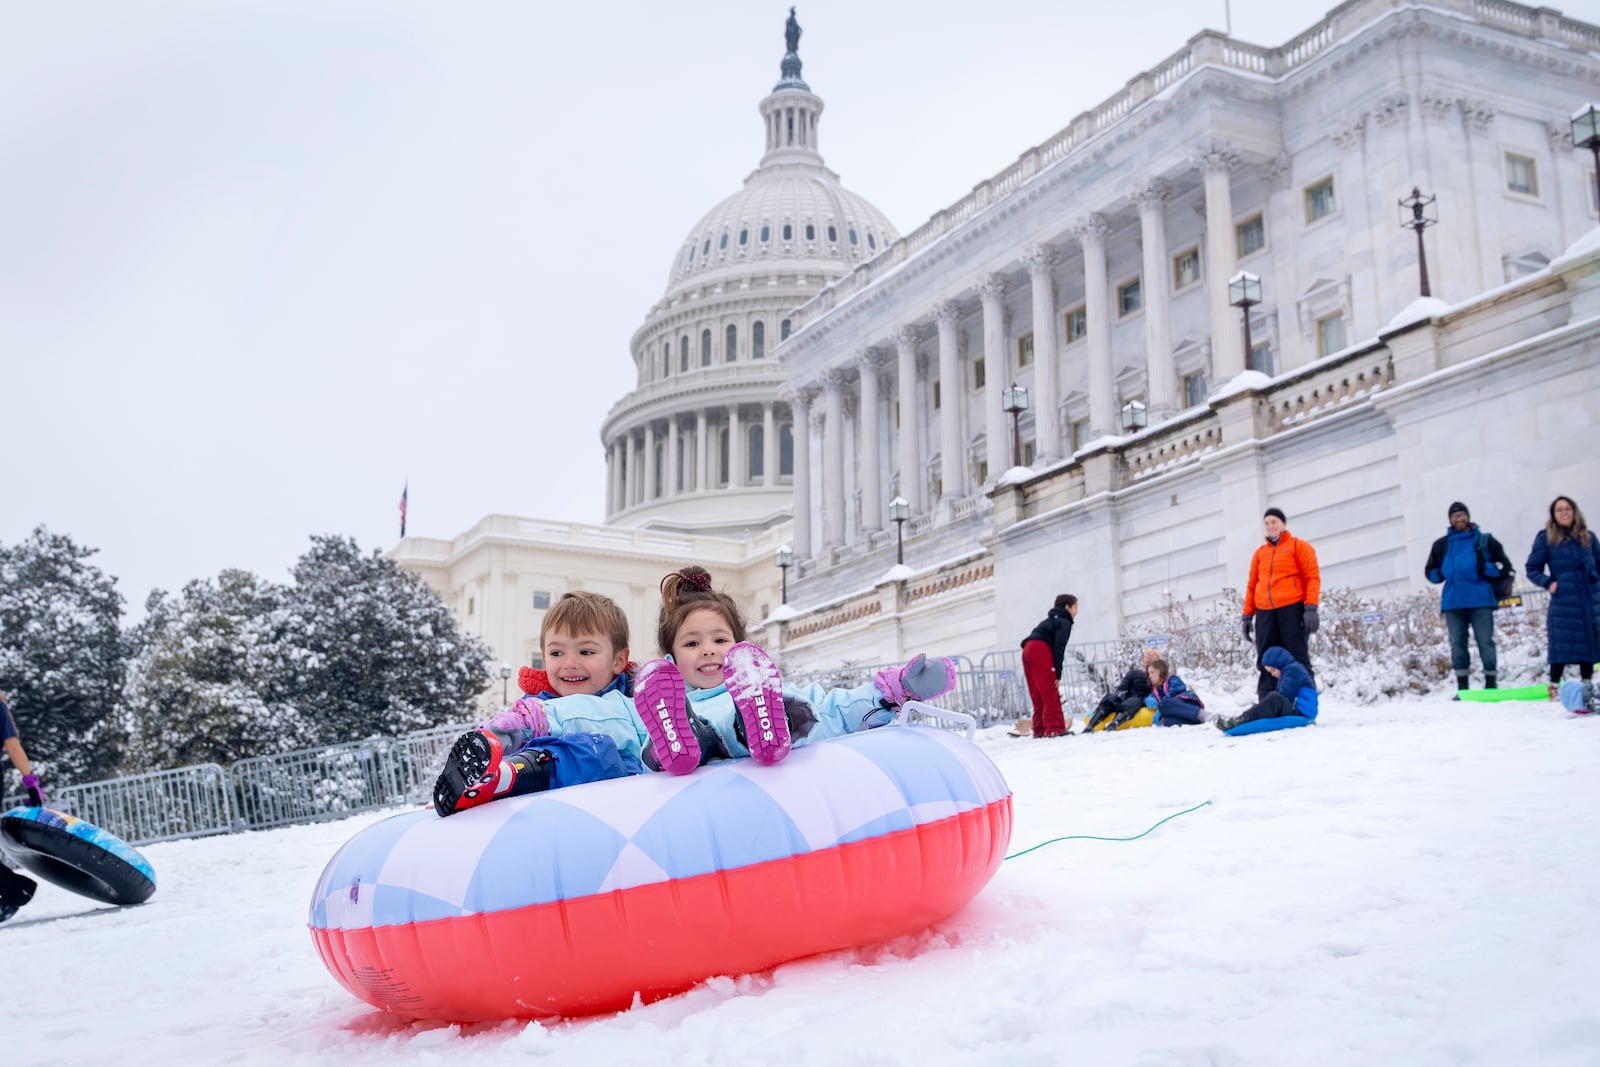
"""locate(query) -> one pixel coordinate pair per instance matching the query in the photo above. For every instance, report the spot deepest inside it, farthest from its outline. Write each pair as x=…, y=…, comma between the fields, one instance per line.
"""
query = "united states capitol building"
x=807, y=362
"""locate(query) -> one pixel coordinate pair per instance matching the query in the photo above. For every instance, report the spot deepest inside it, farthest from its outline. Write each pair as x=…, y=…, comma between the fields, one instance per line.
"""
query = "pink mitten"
x=921, y=679
x=525, y=720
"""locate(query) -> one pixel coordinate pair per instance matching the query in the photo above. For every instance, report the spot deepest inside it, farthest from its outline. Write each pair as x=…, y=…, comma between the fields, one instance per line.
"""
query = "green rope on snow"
x=1091, y=837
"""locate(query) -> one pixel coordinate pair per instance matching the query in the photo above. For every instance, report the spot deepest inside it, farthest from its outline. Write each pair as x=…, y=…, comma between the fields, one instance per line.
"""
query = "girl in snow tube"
x=76, y=855
x=577, y=900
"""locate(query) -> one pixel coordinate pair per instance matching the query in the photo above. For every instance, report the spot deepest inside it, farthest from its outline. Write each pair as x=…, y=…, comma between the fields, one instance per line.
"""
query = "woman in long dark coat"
x=1566, y=560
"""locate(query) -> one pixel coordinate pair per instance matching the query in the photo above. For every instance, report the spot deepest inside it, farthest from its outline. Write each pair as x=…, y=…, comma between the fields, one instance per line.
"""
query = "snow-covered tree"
x=375, y=651
x=62, y=654
x=207, y=682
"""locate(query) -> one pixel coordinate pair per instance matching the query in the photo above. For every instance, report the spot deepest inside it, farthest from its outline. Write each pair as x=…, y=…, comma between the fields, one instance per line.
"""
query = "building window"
x=1025, y=350
x=541, y=601
x=744, y=237
x=1080, y=433
x=979, y=373
x=786, y=450
x=722, y=244
x=833, y=235
x=1522, y=174
x=853, y=236
x=1077, y=324
x=788, y=232
x=1251, y=235
x=783, y=330
x=758, y=341
x=536, y=661
x=811, y=232
x=705, y=348
x=731, y=352
x=1129, y=298
x=766, y=233
x=983, y=471
x=1330, y=334
x=722, y=456
x=1262, y=359
x=683, y=353
x=757, y=451
x=1186, y=268
x=472, y=605
x=1030, y=450
x=706, y=251
x=1319, y=200
x=872, y=242
x=936, y=394
x=1194, y=389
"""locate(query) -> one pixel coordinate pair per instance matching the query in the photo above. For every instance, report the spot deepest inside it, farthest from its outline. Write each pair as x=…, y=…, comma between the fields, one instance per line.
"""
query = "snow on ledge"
x=781, y=613
x=1585, y=247
x=1423, y=307
x=898, y=573
x=1014, y=475
x=1246, y=381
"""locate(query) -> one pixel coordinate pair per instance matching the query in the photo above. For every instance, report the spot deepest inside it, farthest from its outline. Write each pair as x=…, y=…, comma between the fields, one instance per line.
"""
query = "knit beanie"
x=1277, y=514
x=1459, y=506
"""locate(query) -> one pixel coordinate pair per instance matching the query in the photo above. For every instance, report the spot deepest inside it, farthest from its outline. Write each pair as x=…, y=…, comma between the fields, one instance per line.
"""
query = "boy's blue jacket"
x=609, y=712
x=1294, y=683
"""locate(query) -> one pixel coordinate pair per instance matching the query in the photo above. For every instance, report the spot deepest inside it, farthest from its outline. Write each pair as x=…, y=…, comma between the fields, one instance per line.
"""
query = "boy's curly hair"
x=686, y=590
x=587, y=613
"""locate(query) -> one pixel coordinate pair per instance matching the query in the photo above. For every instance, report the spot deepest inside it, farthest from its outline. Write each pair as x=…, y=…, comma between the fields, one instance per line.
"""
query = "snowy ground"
x=1412, y=883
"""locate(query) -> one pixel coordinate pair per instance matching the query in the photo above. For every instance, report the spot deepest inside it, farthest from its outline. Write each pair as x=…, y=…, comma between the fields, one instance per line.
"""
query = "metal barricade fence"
x=193, y=801
x=313, y=784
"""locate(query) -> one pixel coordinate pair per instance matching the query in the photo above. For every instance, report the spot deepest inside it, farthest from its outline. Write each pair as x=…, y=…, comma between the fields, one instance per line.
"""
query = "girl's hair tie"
x=700, y=583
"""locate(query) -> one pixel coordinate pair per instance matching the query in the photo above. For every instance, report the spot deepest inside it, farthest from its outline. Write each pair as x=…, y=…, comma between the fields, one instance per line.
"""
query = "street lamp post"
x=1016, y=401
x=785, y=561
x=505, y=681
x=1134, y=416
x=1244, y=293
x=1586, y=134
x=900, y=512
x=1418, y=213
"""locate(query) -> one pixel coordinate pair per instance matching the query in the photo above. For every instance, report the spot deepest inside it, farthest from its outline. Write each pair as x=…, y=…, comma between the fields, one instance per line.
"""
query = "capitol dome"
x=704, y=441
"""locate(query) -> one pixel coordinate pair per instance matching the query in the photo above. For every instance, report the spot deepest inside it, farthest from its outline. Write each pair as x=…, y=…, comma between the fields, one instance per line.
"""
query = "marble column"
x=612, y=470
x=1046, y=366
x=671, y=488
x=769, y=444
x=702, y=452
x=1091, y=235
x=1227, y=341
x=736, y=448
x=869, y=455
x=997, y=372
x=833, y=459
x=952, y=395
x=650, y=487
x=910, y=458
x=800, y=409
x=1161, y=371
x=630, y=488
x=1282, y=226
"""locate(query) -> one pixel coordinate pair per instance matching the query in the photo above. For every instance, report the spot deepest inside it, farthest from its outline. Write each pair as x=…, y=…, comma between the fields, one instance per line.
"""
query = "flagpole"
x=405, y=494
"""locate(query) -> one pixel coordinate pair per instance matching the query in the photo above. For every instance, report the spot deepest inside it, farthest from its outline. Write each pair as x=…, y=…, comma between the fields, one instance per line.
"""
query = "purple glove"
x=921, y=679
x=521, y=722
x=30, y=782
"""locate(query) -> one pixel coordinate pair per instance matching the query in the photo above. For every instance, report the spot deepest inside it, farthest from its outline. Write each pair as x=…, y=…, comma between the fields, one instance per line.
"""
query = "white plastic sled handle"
x=928, y=711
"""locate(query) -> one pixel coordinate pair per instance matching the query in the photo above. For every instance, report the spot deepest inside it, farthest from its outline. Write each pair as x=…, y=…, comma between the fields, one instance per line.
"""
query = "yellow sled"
x=1145, y=717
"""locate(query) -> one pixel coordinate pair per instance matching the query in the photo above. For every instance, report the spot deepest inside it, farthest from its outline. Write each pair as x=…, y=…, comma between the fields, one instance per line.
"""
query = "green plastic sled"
x=1521, y=692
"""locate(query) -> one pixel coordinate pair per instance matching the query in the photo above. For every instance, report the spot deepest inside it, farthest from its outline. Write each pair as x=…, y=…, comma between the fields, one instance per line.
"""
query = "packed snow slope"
x=1409, y=883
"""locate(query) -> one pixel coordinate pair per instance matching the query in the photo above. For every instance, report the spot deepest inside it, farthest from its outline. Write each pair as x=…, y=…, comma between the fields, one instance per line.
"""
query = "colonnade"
x=692, y=454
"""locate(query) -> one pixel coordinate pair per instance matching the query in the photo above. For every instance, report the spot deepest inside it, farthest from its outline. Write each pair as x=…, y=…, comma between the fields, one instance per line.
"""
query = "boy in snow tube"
x=1293, y=703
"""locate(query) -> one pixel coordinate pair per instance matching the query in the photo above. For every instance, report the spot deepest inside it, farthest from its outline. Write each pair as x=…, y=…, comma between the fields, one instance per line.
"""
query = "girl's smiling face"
x=701, y=642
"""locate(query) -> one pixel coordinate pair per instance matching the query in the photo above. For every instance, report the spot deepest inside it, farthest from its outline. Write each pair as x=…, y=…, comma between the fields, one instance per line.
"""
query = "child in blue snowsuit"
x=1174, y=703
x=1295, y=694
x=716, y=695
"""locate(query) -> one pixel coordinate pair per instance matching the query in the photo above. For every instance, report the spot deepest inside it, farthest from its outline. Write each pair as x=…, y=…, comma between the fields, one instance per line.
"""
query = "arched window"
x=786, y=450
x=755, y=451
x=683, y=353
x=783, y=330
x=731, y=351
x=723, y=244
x=853, y=236
x=788, y=232
x=722, y=456
x=811, y=232
x=666, y=358
x=706, y=251
x=758, y=340
x=833, y=234
x=872, y=242
x=744, y=237
x=705, y=348
x=766, y=232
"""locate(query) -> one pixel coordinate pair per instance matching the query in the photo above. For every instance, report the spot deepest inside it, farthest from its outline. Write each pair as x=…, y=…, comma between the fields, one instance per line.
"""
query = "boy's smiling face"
x=581, y=663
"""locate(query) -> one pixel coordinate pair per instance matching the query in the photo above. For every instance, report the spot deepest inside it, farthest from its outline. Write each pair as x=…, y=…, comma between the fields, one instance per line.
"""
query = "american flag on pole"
x=404, y=493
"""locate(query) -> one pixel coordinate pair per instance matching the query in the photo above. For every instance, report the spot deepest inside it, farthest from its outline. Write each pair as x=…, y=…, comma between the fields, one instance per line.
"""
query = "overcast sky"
x=262, y=262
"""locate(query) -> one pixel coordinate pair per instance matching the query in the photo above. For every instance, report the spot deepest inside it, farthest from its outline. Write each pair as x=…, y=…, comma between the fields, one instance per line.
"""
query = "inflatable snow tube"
x=76, y=855
x=1494, y=696
x=1143, y=717
x=574, y=901
x=1267, y=726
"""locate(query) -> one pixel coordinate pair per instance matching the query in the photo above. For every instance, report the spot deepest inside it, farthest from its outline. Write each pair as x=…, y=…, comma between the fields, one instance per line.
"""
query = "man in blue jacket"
x=1467, y=560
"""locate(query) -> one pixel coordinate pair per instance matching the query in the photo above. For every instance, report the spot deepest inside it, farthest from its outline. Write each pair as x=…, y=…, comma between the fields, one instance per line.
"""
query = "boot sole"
x=757, y=692
x=662, y=704
x=466, y=777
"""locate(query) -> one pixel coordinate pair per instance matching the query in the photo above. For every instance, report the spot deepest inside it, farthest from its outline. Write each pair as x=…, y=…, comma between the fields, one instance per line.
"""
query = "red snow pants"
x=1038, y=667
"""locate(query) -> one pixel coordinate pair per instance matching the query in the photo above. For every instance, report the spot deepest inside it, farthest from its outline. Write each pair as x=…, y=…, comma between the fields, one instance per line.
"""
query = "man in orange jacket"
x=1280, y=599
